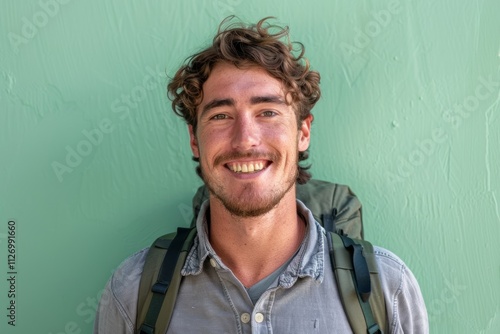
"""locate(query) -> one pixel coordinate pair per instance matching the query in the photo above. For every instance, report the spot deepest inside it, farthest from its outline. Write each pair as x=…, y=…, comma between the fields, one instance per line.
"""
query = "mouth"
x=247, y=167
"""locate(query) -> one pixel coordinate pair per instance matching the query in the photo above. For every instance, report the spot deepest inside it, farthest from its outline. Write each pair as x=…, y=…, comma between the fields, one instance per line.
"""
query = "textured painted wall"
x=94, y=165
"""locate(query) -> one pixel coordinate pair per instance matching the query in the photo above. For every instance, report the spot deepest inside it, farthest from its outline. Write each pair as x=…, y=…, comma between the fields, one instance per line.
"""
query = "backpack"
x=334, y=206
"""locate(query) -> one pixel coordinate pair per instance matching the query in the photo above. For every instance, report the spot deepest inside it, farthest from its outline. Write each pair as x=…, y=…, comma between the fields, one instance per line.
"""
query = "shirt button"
x=213, y=263
x=259, y=317
x=245, y=318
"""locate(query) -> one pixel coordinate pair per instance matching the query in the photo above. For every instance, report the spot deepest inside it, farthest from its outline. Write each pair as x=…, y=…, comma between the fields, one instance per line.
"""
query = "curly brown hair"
x=264, y=45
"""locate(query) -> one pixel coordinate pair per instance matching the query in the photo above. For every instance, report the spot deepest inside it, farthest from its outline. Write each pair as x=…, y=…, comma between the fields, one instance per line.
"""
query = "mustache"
x=254, y=155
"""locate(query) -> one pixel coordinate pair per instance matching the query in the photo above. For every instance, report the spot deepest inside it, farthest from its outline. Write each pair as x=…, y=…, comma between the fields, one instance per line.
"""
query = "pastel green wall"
x=409, y=118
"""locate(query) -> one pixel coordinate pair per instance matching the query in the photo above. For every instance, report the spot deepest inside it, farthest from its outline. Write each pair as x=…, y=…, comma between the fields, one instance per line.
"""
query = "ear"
x=193, y=142
x=305, y=133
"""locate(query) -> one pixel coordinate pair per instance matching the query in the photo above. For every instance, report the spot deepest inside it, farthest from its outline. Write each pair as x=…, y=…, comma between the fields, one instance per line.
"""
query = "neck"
x=254, y=247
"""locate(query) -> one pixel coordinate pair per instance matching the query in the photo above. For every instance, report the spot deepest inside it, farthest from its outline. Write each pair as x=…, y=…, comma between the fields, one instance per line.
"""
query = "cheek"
x=210, y=142
x=285, y=142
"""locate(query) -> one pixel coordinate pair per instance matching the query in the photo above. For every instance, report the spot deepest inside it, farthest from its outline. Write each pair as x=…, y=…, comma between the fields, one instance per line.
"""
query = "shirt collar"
x=307, y=262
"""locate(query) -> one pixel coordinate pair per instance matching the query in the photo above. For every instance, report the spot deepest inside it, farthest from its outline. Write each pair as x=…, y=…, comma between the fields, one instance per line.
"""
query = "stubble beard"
x=251, y=202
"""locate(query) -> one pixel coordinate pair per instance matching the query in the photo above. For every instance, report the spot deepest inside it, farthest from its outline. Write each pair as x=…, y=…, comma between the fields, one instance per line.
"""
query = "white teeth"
x=249, y=167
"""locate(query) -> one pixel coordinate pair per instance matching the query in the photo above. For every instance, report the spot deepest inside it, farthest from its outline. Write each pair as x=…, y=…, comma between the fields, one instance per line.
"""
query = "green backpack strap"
x=161, y=279
x=356, y=271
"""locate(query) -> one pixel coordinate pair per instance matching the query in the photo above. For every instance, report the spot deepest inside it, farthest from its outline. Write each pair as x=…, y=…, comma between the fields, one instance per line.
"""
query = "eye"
x=269, y=113
x=219, y=116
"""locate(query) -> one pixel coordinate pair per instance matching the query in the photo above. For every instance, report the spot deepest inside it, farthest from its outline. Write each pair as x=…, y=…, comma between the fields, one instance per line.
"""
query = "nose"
x=246, y=134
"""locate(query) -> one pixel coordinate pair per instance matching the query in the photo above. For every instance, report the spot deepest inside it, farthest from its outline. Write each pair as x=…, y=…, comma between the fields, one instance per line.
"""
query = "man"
x=260, y=263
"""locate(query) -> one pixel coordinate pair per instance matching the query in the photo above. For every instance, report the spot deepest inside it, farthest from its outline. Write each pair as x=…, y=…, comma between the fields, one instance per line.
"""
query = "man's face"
x=247, y=139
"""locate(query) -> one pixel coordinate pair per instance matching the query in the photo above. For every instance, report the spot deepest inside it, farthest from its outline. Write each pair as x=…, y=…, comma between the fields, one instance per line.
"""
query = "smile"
x=246, y=166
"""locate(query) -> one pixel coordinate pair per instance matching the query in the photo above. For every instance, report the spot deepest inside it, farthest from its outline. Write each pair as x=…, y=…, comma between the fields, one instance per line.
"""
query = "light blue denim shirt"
x=303, y=299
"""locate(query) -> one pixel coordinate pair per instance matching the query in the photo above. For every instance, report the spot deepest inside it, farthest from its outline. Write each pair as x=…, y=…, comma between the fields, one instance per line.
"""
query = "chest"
x=216, y=302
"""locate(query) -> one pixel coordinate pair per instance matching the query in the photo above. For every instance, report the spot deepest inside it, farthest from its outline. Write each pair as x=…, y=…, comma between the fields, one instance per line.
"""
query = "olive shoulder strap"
x=161, y=279
x=358, y=281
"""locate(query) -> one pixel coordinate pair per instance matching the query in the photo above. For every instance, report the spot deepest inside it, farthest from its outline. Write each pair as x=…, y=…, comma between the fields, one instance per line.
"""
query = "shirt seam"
x=402, y=272
x=120, y=307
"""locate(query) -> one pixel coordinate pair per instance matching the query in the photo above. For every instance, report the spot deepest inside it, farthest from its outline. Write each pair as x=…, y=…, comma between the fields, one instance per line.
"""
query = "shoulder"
x=394, y=273
x=128, y=272
x=118, y=304
x=124, y=284
x=133, y=263
x=389, y=264
x=404, y=302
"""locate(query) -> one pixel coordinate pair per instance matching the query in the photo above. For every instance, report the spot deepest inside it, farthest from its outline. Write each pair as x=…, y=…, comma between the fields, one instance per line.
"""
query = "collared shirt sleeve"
x=404, y=302
x=118, y=305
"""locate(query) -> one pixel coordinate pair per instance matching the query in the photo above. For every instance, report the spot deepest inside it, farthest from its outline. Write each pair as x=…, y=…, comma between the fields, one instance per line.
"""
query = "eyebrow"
x=276, y=99
x=217, y=103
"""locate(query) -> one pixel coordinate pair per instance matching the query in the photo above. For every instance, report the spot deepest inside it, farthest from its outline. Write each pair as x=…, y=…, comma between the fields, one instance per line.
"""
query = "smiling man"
x=247, y=139
x=259, y=263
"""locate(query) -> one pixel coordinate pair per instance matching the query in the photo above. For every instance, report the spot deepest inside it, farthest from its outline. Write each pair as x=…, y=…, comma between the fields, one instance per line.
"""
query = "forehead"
x=228, y=81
